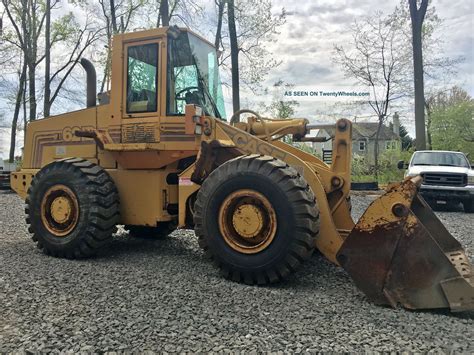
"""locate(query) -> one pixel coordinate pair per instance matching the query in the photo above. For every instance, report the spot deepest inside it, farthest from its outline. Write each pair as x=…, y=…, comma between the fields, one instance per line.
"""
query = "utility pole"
x=417, y=17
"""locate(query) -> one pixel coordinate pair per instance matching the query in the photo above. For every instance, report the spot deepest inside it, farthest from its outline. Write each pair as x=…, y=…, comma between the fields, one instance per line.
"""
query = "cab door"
x=141, y=90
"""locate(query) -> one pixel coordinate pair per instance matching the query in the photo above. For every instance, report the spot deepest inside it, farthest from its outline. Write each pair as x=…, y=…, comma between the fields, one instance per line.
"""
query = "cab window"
x=142, y=78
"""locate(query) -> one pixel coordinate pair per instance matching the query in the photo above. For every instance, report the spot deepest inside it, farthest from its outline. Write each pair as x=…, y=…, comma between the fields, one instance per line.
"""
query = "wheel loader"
x=156, y=154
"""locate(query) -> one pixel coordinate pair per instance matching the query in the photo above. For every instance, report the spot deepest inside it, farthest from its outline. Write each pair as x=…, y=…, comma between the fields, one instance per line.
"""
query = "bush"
x=388, y=172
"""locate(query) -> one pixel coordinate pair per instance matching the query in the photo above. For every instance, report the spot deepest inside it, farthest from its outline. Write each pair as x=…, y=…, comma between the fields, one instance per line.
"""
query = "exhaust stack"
x=91, y=82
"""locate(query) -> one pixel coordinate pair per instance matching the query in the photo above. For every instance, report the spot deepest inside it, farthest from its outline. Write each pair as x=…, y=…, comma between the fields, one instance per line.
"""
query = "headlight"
x=470, y=180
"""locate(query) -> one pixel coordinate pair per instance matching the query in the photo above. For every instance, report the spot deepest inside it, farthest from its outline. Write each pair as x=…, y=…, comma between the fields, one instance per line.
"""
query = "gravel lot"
x=162, y=295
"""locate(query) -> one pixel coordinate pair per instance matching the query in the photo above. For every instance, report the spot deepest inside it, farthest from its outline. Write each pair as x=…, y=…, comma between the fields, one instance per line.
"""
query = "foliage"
x=387, y=169
x=257, y=24
x=279, y=107
x=407, y=141
x=452, y=126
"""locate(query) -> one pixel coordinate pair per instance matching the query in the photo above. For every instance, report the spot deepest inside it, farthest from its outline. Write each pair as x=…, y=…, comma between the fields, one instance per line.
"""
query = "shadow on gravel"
x=128, y=246
x=445, y=312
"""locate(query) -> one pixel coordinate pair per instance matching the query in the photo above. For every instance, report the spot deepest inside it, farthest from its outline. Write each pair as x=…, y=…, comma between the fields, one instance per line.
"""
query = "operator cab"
x=192, y=75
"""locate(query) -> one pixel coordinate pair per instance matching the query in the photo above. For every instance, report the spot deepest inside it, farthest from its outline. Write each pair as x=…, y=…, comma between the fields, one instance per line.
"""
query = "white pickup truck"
x=448, y=178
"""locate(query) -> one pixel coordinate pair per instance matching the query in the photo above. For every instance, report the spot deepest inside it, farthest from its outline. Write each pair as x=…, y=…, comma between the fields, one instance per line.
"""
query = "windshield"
x=193, y=76
x=440, y=159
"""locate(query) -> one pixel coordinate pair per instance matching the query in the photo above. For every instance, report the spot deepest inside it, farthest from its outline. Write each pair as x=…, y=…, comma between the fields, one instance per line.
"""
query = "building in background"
x=363, y=139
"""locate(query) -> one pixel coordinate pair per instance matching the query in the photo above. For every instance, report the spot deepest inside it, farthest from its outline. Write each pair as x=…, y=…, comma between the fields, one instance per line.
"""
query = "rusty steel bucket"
x=400, y=253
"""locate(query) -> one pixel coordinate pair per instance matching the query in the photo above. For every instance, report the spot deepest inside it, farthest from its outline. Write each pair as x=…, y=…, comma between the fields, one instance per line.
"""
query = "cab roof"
x=156, y=32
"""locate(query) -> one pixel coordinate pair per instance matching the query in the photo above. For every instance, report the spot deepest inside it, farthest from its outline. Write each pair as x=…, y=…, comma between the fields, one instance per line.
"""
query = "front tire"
x=72, y=208
x=257, y=218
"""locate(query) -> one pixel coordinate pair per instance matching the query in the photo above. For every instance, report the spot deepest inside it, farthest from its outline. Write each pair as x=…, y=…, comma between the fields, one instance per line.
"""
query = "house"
x=363, y=139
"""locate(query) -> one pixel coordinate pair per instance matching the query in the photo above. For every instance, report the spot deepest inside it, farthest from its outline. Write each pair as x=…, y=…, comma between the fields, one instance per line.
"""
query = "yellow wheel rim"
x=247, y=221
x=59, y=210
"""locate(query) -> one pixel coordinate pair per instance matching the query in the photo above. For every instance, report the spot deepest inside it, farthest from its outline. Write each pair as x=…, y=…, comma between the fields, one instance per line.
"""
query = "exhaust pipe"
x=91, y=82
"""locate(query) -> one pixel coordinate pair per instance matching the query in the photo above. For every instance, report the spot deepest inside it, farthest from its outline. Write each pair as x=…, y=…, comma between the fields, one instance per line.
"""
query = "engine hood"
x=420, y=169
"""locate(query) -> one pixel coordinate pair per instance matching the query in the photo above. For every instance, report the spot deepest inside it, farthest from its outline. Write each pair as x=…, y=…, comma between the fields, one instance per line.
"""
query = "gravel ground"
x=162, y=295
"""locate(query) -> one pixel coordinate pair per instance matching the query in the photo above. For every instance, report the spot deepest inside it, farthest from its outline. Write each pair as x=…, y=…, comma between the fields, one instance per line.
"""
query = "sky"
x=313, y=28
x=305, y=48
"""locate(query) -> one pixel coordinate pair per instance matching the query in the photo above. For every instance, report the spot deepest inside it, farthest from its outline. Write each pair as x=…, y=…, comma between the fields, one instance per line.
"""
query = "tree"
x=164, y=13
x=67, y=31
x=47, y=60
x=279, y=107
x=452, y=126
x=27, y=20
x=406, y=140
x=18, y=101
x=117, y=17
x=234, y=56
x=417, y=18
x=378, y=59
x=438, y=70
x=250, y=25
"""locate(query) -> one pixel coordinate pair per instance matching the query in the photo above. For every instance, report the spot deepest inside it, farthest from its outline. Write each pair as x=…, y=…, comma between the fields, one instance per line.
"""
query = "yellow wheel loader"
x=156, y=154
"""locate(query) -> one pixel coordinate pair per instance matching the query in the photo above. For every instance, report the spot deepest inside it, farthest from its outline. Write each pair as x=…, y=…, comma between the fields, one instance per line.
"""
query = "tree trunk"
x=234, y=56
x=47, y=58
x=428, y=127
x=165, y=14
x=220, y=14
x=113, y=17
x=376, y=149
x=417, y=17
x=25, y=111
x=32, y=90
x=16, y=113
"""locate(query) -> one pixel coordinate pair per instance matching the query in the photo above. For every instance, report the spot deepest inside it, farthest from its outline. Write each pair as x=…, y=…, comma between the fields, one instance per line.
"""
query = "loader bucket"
x=400, y=253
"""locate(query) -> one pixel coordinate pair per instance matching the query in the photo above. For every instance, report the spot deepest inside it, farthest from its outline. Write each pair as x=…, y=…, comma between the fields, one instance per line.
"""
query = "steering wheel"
x=179, y=95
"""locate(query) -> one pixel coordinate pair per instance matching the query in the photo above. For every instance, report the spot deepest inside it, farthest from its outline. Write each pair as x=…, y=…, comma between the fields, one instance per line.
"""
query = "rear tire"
x=159, y=232
x=72, y=208
x=266, y=184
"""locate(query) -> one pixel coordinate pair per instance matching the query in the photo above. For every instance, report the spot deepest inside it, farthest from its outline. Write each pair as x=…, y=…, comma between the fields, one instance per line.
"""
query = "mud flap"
x=400, y=253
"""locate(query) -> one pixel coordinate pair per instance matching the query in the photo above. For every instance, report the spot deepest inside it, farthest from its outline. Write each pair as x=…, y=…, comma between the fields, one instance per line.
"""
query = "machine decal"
x=252, y=144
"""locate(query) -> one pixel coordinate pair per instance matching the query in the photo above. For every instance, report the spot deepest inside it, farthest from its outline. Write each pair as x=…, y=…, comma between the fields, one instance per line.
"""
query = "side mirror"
x=401, y=164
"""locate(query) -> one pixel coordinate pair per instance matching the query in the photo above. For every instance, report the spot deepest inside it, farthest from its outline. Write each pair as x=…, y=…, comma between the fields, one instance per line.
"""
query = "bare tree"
x=78, y=40
x=117, y=17
x=16, y=114
x=27, y=18
x=47, y=60
x=378, y=59
x=164, y=13
x=234, y=56
x=250, y=25
x=417, y=18
x=220, y=14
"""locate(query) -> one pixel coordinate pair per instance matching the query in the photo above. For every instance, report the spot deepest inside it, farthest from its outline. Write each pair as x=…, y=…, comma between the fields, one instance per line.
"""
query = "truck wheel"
x=468, y=206
x=257, y=218
x=161, y=231
x=72, y=208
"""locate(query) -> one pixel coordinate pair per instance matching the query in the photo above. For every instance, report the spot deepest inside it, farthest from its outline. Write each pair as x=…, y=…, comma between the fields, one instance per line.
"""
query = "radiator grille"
x=444, y=179
x=138, y=133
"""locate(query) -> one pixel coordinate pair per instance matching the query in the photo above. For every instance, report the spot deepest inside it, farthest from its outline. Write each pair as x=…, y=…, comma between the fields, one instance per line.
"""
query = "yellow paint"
x=248, y=220
x=140, y=169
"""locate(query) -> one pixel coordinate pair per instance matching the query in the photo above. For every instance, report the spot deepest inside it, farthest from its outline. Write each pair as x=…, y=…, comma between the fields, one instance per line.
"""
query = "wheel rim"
x=59, y=210
x=247, y=221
